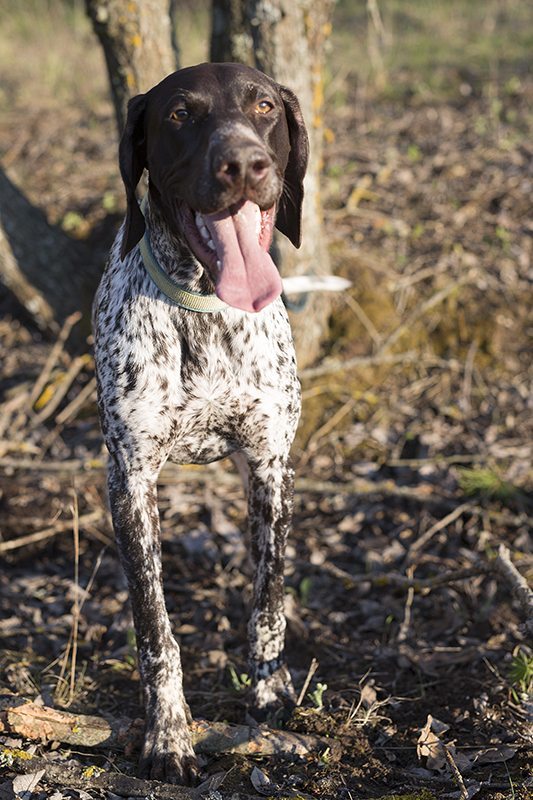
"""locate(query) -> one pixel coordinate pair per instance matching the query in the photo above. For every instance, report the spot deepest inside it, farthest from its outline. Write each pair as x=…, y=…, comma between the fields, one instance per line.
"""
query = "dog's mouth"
x=233, y=244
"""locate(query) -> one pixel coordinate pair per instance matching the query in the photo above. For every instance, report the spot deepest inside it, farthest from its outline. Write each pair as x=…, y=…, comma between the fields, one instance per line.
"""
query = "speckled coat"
x=192, y=387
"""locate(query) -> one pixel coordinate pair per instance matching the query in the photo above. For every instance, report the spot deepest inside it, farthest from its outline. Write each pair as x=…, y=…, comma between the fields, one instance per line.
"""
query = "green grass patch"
x=486, y=482
x=521, y=673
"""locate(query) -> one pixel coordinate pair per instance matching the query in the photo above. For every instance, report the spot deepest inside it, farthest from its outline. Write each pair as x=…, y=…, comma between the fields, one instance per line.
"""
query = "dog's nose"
x=244, y=166
x=258, y=168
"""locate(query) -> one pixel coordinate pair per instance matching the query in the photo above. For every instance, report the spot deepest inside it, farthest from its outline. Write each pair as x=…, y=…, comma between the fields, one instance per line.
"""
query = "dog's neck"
x=173, y=253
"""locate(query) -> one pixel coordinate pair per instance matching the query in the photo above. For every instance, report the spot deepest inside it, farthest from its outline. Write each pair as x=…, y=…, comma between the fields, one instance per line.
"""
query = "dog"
x=194, y=354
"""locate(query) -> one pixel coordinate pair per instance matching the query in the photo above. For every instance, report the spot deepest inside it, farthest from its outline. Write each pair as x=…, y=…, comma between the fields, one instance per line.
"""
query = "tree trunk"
x=285, y=39
x=49, y=274
x=139, y=46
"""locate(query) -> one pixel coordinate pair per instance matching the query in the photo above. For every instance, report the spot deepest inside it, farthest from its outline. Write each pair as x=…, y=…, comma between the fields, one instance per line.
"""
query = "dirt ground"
x=413, y=458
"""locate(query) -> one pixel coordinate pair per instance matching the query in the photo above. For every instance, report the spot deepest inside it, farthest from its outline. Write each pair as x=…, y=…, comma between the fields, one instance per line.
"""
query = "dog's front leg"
x=270, y=510
x=167, y=753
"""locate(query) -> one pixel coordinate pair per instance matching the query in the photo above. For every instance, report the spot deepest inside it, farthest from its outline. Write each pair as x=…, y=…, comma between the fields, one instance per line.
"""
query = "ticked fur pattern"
x=193, y=388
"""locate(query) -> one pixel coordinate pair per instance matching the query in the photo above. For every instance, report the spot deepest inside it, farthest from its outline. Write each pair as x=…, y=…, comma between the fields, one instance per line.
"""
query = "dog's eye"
x=180, y=115
x=264, y=106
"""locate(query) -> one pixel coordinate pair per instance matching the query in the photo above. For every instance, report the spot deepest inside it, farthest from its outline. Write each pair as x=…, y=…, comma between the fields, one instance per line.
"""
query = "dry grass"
x=49, y=55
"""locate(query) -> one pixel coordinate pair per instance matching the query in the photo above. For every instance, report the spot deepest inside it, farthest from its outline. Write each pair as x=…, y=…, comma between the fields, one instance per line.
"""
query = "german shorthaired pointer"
x=226, y=150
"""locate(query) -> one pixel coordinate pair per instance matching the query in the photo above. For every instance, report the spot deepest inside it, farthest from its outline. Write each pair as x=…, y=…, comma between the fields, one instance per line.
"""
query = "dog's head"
x=226, y=149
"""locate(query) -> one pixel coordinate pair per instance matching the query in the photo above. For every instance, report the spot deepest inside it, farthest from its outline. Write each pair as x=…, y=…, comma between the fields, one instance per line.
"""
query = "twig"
x=395, y=579
x=406, y=622
x=78, y=777
x=67, y=466
x=517, y=583
x=420, y=310
x=464, y=402
x=55, y=352
x=438, y=526
x=66, y=382
x=360, y=486
x=9, y=407
x=363, y=318
x=312, y=669
x=436, y=460
x=76, y=606
x=39, y=536
x=455, y=772
x=72, y=642
x=329, y=425
x=77, y=403
x=359, y=361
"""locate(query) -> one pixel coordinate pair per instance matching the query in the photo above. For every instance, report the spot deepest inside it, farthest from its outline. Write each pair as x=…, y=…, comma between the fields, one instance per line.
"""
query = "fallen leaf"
x=23, y=785
x=262, y=782
x=210, y=785
x=430, y=747
x=492, y=755
x=438, y=727
x=368, y=695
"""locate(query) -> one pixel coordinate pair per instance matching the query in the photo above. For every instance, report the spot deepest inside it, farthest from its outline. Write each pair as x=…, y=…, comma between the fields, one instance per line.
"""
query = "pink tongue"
x=248, y=278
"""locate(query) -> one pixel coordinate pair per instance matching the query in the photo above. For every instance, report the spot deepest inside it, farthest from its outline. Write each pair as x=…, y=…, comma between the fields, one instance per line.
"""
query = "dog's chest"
x=198, y=386
x=237, y=384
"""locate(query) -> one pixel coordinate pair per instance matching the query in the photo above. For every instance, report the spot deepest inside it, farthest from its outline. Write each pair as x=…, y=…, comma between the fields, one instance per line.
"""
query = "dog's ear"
x=132, y=161
x=289, y=217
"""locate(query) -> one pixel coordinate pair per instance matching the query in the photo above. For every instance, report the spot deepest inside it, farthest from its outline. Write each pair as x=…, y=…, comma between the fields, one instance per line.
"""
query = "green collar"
x=192, y=301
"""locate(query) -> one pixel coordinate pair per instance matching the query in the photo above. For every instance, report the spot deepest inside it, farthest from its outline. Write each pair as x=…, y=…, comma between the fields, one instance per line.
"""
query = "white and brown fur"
x=193, y=388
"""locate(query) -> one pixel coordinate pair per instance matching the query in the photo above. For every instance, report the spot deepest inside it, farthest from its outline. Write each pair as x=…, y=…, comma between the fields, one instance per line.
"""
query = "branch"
x=395, y=579
x=45, y=724
x=501, y=566
x=77, y=777
x=517, y=583
x=59, y=527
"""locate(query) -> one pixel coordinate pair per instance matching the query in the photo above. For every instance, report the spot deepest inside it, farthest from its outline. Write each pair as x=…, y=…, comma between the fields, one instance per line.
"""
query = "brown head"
x=226, y=150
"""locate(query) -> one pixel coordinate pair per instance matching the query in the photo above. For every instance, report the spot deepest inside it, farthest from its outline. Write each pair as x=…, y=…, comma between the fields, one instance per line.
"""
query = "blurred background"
x=414, y=449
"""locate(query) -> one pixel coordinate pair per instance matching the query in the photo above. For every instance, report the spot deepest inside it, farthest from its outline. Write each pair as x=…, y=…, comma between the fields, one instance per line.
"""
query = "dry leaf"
x=210, y=785
x=368, y=695
x=262, y=782
x=430, y=747
x=492, y=755
x=23, y=785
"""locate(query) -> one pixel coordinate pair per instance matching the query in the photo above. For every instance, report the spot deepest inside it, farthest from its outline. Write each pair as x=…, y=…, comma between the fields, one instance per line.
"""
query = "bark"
x=285, y=39
x=139, y=46
x=44, y=724
x=49, y=273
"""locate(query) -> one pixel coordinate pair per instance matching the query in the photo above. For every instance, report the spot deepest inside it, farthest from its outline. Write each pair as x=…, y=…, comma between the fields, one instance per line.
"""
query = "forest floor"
x=413, y=459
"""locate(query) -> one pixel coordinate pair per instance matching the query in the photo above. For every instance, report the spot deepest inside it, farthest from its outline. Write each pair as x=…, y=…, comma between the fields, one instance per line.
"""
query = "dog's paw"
x=168, y=755
x=270, y=693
